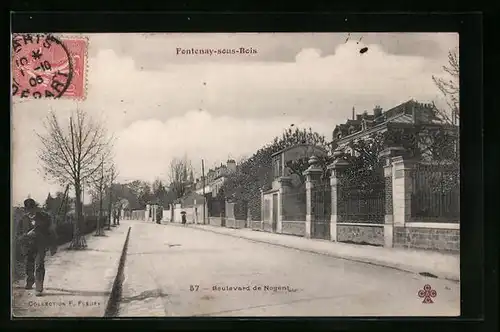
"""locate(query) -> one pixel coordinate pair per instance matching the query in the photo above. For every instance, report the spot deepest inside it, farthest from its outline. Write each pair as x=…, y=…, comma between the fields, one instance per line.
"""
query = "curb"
x=374, y=262
x=114, y=297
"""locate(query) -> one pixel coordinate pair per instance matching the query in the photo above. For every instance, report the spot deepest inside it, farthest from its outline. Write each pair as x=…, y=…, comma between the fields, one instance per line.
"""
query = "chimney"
x=231, y=165
x=414, y=113
x=353, y=113
x=377, y=113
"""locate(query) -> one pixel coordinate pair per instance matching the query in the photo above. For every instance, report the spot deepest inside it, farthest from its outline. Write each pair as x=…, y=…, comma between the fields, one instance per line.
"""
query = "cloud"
x=145, y=149
x=153, y=51
x=215, y=109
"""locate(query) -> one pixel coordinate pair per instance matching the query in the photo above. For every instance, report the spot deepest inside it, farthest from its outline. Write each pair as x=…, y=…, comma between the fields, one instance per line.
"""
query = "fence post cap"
x=313, y=160
x=285, y=179
x=314, y=168
x=338, y=162
x=404, y=159
x=393, y=151
x=338, y=153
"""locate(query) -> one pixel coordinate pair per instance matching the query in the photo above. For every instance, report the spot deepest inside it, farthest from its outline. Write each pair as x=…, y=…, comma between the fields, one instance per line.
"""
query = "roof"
x=295, y=146
x=401, y=114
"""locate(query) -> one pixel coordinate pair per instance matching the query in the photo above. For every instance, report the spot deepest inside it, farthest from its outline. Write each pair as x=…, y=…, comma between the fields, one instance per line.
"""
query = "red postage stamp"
x=45, y=66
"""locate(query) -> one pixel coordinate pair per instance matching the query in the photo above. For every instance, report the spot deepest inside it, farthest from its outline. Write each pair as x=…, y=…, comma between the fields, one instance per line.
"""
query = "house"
x=424, y=186
x=283, y=206
x=215, y=178
x=406, y=115
x=292, y=153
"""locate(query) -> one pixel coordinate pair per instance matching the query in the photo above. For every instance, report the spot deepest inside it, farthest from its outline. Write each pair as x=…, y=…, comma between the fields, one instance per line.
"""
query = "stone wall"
x=427, y=238
x=361, y=234
x=254, y=224
x=230, y=222
x=294, y=227
x=214, y=221
x=267, y=227
x=166, y=215
x=138, y=214
x=235, y=223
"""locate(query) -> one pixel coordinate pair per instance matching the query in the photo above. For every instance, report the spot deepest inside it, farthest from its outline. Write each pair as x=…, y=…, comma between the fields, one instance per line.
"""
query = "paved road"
x=172, y=271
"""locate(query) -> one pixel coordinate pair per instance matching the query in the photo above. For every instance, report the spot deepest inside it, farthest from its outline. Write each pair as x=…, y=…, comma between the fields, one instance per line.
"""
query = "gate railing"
x=321, y=203
x=363, y=203
x=436, y=193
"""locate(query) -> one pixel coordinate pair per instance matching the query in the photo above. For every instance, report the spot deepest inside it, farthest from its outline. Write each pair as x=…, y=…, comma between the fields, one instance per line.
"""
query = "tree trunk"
x=100, y=226
x=78, y=241
x=109, y=210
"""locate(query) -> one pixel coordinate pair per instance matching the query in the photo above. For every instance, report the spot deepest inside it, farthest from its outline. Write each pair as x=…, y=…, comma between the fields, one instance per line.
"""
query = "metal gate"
x=321, y=211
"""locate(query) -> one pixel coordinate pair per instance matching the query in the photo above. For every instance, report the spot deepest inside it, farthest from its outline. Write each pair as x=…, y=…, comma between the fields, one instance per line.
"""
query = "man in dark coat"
x=37, y=234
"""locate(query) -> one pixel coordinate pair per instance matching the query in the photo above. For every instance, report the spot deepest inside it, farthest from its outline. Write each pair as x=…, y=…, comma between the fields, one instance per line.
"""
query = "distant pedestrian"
x=183, y=217
x=37, y=234
x=159, y=216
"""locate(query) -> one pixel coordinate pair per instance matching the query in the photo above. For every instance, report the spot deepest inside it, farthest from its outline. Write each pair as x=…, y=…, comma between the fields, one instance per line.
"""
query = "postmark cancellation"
x=49, y=66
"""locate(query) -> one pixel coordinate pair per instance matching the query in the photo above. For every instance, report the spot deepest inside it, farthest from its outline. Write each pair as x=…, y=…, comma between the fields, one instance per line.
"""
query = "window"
x=277, y=167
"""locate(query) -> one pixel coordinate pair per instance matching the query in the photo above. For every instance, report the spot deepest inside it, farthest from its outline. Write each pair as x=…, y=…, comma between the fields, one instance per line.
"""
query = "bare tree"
x=450, y=87
x=179, y=173
x=98, y=185
x=72, y=155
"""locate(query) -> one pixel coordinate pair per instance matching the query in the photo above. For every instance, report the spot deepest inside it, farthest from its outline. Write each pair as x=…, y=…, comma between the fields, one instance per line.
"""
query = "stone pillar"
x=313, y=176
x=337, y=167
x=402, y=184
x=387, y=155
x=285, y=183
x=148, y=207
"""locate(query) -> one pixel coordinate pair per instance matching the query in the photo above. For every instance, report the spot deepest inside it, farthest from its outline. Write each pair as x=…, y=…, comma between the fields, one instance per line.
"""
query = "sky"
x=160, y=104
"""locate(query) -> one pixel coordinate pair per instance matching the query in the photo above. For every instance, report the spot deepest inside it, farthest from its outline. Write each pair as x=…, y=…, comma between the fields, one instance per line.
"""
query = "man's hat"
x=29, y=203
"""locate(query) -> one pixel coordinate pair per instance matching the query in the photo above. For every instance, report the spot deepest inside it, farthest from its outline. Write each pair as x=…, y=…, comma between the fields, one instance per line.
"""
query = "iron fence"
x=321, y=211
x=363, y=202
x=436, y=192
x=216, y=207
x=321, y=202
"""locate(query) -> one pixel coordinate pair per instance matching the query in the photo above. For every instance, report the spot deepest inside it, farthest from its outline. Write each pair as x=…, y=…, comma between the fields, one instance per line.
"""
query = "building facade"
x=283, y=206
x=407, y=115
x=215, y=178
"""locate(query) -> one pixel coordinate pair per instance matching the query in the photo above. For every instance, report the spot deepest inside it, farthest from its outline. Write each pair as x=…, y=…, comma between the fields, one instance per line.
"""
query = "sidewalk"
x=77, y=282
x=445, y=266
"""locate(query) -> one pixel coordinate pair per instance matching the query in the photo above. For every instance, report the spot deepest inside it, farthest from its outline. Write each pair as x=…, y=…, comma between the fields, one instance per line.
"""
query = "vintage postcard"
x=225, y=174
